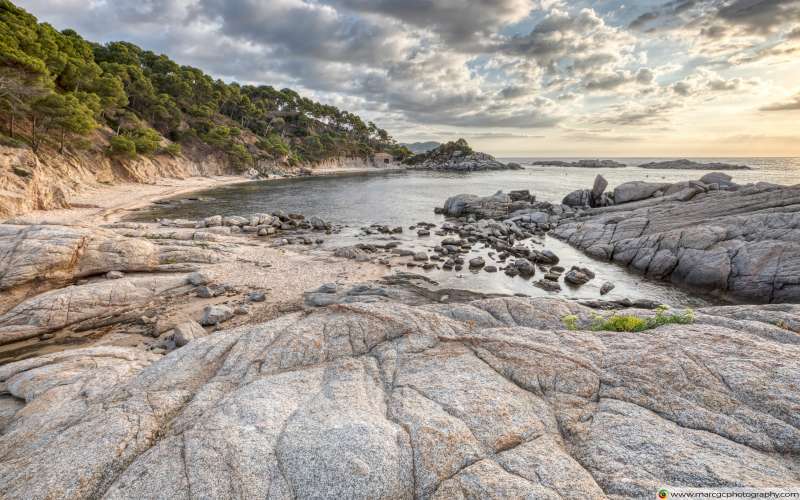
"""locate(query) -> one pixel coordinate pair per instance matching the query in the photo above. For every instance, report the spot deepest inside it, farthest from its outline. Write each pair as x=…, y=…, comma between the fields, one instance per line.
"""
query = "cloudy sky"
x=515, y=77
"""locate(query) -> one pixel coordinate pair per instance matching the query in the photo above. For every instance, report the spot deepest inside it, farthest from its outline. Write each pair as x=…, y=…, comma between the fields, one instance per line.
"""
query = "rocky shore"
x=492, y=397
x=737, y=241
x=235, y=357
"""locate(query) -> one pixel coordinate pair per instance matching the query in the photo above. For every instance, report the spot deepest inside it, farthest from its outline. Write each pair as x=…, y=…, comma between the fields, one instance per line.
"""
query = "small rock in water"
x=423, y=232
x=547, y=285
x=477, y=262
x=578, y=276
x=114, y=275
x=420, y=256
x=490, y=269
x=607, y=287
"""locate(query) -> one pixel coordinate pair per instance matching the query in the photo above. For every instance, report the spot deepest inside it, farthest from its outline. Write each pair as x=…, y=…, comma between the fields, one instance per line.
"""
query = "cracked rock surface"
x=382, y=400
x=742, y=244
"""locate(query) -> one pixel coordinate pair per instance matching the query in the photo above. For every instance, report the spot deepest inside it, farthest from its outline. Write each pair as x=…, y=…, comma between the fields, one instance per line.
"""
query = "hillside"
x=65, y=101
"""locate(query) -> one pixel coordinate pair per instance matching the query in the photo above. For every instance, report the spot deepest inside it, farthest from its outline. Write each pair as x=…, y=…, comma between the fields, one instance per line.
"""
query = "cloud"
x=792, y=104
x=759, y=15
x=514, y=65
x=634, y=114
x=459, y=22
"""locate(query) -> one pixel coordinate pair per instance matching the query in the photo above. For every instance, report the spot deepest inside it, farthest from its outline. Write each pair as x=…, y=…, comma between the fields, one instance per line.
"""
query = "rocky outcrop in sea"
x=580, y=163
x=457, y=156
x=692, y=165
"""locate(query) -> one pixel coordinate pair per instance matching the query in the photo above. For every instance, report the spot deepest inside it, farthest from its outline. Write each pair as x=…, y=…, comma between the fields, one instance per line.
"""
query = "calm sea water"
x=404, y=198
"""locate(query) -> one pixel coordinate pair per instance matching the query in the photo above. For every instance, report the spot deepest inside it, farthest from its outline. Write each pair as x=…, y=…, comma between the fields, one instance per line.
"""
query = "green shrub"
x=631, y=323
x=173, y=149
x=146, y=139
x=122, y=146
x=11, y=142
x=570, y=322
x=617, y=323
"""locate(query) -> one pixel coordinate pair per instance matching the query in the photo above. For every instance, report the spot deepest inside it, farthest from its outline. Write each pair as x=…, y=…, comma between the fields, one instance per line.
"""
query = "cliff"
x=46, y=181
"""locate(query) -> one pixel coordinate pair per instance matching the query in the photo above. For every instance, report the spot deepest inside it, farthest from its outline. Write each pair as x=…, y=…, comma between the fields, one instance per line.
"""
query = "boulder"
x=185, y=332
x=477, y=262
x=719, y=178
x=215, y=314
x=579, y=198
x=599, y=187
x=578, y=276
x=637, y=190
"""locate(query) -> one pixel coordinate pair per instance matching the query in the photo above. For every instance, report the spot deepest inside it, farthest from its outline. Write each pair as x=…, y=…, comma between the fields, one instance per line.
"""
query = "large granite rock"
x=637, y=190
x=491, y=399
x=60, y=254
x=495, y=206
x=57, y=309
x=742, y=244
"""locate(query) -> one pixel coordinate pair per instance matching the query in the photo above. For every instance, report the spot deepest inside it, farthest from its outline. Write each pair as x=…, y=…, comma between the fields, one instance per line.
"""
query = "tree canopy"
x=57, y=84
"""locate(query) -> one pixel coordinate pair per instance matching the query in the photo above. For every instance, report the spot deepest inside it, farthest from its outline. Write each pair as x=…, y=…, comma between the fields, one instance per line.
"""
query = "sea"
x=404, y=198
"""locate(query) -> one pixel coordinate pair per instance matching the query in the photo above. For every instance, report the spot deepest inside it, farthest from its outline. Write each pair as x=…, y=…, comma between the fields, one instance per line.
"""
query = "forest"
x=57, y=90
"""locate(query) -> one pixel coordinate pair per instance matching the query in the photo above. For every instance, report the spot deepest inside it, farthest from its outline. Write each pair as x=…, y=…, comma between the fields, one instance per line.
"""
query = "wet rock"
x=490, y=269
x=606, y=288
x=524, y=267
x=318, y=224
x=548, y=285
x=420, y=256
x=578, y=276
x=477, y=262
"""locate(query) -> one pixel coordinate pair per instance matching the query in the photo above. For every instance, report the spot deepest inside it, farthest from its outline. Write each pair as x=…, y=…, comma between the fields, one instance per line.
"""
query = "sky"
x=716, y=78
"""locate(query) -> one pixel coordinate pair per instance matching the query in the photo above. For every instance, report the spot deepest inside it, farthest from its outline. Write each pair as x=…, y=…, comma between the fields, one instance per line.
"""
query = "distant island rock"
x=421, y=147
x=580, y=163
x=457, y=156
x=692, y=165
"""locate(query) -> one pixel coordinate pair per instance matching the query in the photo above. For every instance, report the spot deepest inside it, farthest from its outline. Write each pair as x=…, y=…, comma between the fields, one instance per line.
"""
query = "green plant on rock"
x=632, y=323
x=570, y=322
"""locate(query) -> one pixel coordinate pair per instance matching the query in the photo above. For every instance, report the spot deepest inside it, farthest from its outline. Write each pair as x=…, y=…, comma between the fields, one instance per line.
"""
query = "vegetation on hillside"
x=56, y=87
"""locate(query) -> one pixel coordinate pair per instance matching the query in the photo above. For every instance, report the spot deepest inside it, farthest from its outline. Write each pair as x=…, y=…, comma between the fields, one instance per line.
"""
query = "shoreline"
x=107, y=203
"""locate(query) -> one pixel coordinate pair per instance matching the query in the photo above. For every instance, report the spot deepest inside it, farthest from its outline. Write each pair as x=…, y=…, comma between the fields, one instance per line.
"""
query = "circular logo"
x=663, y=494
